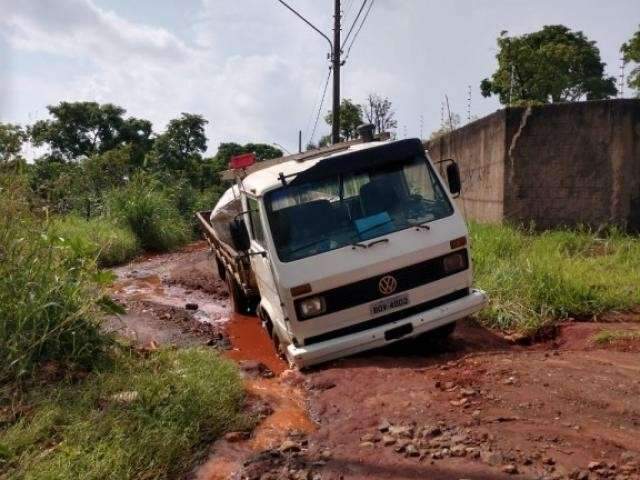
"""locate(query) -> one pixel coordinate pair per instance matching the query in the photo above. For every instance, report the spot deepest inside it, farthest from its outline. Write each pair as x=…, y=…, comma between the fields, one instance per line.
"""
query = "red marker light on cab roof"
x=242, y=161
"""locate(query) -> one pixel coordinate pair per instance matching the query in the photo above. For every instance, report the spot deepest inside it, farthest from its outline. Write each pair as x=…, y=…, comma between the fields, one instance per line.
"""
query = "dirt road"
x=477, y=407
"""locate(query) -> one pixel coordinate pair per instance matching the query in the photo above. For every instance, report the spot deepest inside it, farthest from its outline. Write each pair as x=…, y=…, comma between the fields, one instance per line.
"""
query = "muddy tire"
x=239, y=301
x=222, y=273
x=440, y=334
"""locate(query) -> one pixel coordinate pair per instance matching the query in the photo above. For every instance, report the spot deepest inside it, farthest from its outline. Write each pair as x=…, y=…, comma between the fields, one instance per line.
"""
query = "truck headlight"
x=312, y=307
x=455, y=262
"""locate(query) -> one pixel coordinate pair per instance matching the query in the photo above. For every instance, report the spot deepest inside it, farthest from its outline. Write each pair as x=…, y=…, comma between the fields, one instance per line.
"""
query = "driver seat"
x=378, y=196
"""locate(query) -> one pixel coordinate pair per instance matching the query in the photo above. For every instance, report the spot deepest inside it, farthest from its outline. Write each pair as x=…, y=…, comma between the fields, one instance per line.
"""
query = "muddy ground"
x=476, y=407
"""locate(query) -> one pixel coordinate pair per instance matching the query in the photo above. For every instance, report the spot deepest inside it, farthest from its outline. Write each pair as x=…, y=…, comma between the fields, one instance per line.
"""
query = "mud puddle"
x=287, y=416
x=163, y=294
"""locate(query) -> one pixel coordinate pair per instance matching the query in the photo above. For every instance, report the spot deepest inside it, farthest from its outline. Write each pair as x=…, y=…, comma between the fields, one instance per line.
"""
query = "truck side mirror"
x=239, y=234
x=453, y=177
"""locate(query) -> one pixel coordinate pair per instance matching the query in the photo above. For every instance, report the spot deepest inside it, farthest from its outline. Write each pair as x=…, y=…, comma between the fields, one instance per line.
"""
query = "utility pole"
x=336, y=54
x=621, y=90
x=336, y=60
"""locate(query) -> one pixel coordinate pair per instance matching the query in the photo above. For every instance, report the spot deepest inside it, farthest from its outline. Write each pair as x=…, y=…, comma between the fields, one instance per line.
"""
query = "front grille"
x=389, y=318
x=366, y=290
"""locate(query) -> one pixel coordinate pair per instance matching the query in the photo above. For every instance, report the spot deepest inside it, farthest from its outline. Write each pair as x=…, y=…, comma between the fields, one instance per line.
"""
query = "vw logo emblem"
x=387, y=285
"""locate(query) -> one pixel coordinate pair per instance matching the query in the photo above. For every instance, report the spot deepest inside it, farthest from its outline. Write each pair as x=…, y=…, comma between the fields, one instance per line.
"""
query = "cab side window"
x=257, y=233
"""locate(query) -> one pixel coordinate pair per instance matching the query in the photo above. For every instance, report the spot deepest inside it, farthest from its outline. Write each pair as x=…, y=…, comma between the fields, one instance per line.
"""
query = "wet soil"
x=478, y=406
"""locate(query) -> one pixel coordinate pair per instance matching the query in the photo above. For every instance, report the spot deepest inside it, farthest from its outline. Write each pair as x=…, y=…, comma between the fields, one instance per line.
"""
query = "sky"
x=256, y=72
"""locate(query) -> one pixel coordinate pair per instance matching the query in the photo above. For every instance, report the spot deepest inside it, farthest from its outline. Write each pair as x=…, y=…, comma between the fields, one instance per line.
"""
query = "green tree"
x=350, y=119
x=59, y=183
x=102, y=172
x=631, y=53
x=554, y=64
x=182, y=144
x=263, y=151
x=378, y=111
x=12, y=137
x=81, y=129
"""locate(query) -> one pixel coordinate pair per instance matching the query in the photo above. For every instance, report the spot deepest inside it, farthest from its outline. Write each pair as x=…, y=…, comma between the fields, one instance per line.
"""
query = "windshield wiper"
x=354, y=245
x=423, y=225
x=315, y=242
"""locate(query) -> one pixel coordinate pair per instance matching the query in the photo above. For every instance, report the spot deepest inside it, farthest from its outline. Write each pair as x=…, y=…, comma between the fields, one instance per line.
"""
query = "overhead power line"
x=364, y=19
x=353, y=24
x=324, y=93
x=336, y=56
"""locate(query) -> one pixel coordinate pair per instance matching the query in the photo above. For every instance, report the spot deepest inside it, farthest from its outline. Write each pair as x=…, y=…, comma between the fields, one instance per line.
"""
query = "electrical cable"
x=364, y=19
x=355, y=20
x=324, y=94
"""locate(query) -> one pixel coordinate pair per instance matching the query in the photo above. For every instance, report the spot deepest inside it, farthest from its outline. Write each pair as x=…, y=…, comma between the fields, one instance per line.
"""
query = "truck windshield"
x=329, y=213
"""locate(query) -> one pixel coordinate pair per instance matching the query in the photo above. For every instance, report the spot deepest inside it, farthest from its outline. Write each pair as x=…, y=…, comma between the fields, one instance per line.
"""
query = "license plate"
x=388, y=304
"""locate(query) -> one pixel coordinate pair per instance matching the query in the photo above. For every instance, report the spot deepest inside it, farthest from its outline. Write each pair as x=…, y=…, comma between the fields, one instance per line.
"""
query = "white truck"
x=347, y=248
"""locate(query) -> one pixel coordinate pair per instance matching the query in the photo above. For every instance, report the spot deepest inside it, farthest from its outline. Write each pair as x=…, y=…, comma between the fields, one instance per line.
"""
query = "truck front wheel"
x=440, y=334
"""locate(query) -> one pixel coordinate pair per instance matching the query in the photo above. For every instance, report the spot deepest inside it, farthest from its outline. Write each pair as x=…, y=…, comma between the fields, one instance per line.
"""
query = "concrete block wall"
x=555, y=165
x=479, y=149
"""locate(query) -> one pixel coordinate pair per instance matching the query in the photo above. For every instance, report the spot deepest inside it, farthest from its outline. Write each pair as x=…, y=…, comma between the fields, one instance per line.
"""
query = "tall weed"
x=48, y=295
x=537, y=278
x=150, y=213
x=101, y=238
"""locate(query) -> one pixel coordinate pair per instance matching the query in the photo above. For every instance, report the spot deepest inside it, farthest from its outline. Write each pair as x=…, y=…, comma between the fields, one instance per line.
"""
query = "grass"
x=101, y=238
x=151, y=214
x=608, y=337
x=49, y=296
x=141, y=419
x=534, y=279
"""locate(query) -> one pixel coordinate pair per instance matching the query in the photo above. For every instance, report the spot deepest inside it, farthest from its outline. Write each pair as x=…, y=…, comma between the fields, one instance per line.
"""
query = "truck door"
x=260, y=261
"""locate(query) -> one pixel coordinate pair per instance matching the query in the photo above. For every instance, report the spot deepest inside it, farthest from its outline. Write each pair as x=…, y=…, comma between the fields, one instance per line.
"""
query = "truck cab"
x=356, y=248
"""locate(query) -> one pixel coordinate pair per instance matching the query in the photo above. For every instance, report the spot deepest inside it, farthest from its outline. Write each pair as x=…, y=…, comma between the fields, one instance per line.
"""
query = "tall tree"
x=350, y=119
x=378, y=112
x=12, y=137
x=631, y=53
x=81, y=129
x=183, y=142
x=263, y=151
x=554, y=64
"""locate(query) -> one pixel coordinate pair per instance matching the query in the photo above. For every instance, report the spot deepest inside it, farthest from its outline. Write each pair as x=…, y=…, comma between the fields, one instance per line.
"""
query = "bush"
x=48, y=295
x=142, y=419
x=189, y=200
x=99, y=238
x=150, y=214
x=536, y=278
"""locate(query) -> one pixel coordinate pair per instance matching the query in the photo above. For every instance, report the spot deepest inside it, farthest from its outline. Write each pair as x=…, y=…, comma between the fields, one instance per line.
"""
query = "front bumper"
x=375, y=337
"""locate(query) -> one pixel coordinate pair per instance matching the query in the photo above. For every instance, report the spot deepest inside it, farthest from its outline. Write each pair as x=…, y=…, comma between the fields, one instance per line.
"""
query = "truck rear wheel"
x=222, y=273
x=240, y=303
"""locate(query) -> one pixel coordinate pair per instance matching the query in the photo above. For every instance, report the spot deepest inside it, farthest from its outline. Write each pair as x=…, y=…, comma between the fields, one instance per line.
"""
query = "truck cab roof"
x=267, y=175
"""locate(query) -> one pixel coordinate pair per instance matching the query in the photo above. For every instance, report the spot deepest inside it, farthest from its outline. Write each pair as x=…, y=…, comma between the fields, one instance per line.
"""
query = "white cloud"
x=153, y=74
x=80, y=28
x=254, y=70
